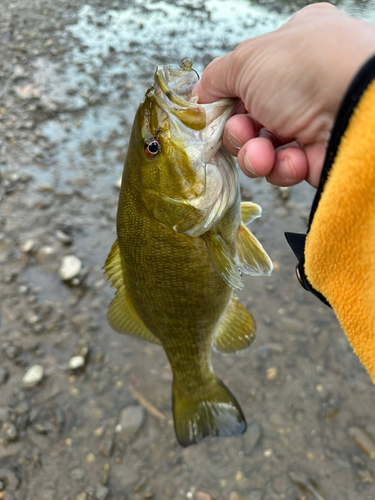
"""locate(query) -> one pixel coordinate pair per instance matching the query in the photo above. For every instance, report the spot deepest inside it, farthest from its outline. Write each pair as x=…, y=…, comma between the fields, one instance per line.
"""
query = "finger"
x=290, y=167
x=215, y=81
x=257, y=157
x=238, y=130
x=315, y=154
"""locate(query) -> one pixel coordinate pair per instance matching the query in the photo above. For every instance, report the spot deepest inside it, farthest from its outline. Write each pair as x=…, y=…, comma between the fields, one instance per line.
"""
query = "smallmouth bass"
x=181, y=243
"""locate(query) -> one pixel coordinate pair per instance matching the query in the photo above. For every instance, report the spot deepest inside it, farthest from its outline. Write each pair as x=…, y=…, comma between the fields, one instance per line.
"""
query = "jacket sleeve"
x=337, y=257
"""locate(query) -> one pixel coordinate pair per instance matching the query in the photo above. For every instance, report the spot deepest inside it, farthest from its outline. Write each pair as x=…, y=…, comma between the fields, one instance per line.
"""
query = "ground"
x=71, y=77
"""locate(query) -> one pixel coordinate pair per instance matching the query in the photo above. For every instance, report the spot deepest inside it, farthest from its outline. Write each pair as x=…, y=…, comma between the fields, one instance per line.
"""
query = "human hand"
x=290, y=83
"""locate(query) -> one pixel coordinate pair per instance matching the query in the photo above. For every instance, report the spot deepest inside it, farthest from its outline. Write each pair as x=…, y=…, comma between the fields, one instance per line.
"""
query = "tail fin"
x=214, y=412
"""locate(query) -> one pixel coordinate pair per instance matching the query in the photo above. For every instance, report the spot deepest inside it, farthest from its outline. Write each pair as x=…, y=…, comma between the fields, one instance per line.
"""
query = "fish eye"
x=152, y=148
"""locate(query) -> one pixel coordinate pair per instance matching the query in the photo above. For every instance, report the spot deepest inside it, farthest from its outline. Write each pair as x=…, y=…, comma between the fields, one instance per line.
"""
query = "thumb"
x=215, y=81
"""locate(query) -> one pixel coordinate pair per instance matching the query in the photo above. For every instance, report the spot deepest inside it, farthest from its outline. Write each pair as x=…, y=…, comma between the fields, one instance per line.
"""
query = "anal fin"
x=251, y=256
x=237, y=330
x=222, y=261
x=122, y=315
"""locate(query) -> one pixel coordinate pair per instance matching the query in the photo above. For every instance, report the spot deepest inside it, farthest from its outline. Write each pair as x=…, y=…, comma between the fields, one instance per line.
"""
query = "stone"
x=4, y=414
x=271, y=373
x=77, y=474
x=106, y=447
x=10, y=432
x=33, y=376
x=234, y=495
x=131, y=421
x=255, y=495
x=251, y=437
x=70, y=267
x=82, y=496
x=101, y=493
x=76, y=362
x=200, y=495
x=11, y=477
x=4, y=375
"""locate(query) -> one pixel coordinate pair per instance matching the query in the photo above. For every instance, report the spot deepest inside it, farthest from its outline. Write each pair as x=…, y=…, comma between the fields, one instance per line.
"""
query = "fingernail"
x=248, y=166
x=234, y=140
x=286, y=169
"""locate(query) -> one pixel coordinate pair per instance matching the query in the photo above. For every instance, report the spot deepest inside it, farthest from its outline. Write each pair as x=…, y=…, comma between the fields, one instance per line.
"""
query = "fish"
x=182, y=246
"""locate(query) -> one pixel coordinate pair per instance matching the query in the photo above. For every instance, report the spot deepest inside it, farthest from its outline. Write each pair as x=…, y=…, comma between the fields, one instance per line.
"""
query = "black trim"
x=351, y=99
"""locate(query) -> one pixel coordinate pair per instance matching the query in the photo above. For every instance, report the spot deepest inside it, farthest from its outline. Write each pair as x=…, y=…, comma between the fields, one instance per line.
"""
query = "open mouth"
x=174, y=85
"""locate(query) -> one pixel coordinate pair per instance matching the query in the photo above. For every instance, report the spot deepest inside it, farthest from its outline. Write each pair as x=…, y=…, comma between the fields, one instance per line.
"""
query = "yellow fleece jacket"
x=339, y=252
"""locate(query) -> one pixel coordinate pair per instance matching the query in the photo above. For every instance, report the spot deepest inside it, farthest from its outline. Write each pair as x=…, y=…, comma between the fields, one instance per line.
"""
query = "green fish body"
x=181, y=241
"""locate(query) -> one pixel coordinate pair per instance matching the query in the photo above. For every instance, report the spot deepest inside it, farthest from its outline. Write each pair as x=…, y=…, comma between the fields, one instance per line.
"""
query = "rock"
x=63, y=237
x=76, y=362
x=46, y=254
x=28, y=246
x=4, y=414
x=235, y=496
x=33, y=376
x=104, y=478
x=131, y=421
x=10, y=476
x=363, y=440
x=271, y=373
x=200, y=495
x=77, y=474
x=255, y=495
x=365, y=476
x=106, y=447
x=10, y=432
x=102, y=492
x=82, y=496
x=4, y=375
x=70, y=267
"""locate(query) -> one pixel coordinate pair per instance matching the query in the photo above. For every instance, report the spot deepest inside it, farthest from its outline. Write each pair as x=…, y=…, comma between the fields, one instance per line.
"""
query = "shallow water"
x=73, y=75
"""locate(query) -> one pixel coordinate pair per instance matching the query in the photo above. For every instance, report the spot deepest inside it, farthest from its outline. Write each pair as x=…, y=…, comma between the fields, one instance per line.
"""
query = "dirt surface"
x=93, y=417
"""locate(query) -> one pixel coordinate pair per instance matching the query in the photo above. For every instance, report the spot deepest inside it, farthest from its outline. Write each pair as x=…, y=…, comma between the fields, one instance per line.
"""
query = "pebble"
x=33, y=376
x=70, y=267
x=102, y=492
x=272, y=373
x=255, y=495
x=77, y=474
x=10, y=432
x=28, y=246
x=106, y=447
x=63, y=237
x=4, y=375
x=363, y=440
x=200, y=495
x=4, y=414
x=46, y=254
x=235, y=496
x=365, y=476
x=82, y=496
x=11, y=478
x=90, y=458
x=130, y=421
x=76, y=362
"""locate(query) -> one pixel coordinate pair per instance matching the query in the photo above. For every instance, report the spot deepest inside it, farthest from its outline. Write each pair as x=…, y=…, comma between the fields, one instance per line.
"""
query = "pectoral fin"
x=237, y=330
x=250, y=211
x=122, y=315
x=222, y=261
x=251, y=257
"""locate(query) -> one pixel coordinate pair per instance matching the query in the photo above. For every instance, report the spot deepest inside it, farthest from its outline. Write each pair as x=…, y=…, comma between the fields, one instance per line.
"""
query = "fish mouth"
x=200, y=126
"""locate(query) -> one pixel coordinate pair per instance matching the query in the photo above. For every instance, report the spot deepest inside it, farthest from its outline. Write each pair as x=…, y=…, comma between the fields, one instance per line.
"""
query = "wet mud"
x=84, y=411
